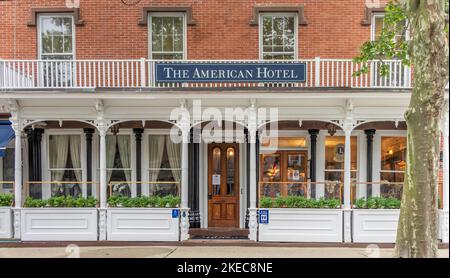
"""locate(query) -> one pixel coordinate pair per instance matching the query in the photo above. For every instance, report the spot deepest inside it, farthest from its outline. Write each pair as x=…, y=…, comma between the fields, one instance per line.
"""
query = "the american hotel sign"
x=230, y=72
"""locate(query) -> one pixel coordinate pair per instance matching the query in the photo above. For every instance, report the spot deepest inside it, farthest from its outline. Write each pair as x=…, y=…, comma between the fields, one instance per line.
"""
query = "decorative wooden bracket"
x=75, y=11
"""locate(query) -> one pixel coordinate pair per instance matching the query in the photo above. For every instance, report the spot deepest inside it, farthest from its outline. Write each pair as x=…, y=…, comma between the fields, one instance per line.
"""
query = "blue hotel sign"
x=230, y=72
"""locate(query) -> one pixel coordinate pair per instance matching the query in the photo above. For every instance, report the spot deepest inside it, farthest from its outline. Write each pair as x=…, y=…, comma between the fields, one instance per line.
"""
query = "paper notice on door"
x=216, y=179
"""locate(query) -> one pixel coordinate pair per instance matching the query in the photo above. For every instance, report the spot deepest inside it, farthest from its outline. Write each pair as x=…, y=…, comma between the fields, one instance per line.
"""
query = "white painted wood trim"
x=375, y=225
x=142, y=224
x=302, y=225
x=59, y=224
x=6, y=222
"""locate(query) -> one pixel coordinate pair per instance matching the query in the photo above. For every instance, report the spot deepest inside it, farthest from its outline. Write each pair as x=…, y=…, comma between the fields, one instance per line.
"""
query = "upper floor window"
x=56, y=37
x=378, y=24
x=278, y=36
x=167, y=36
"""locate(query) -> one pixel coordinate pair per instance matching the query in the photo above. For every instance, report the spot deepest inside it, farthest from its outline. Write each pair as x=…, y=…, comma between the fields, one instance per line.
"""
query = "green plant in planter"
x=6, y=200
x=34, y=203
x=298, y=202
x=377, y=203
x=168, y=201
x=265, y=202
x=61, y=202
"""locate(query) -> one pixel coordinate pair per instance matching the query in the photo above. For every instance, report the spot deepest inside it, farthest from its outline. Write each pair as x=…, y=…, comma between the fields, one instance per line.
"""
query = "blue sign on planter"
x=175, y=213
x=263, y=216
x=230, y=72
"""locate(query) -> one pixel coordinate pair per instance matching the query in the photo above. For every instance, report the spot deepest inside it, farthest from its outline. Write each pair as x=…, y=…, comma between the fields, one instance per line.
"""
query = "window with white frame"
x=334, y=163
x=378, y=25
x=393, y=165
x=167, y=36
x=398, y=74
x=164, y=165
x=56, y=41
x=7, y=169
x=118, y=164
x=56, y=37
x=65, y=165
x=278, y=36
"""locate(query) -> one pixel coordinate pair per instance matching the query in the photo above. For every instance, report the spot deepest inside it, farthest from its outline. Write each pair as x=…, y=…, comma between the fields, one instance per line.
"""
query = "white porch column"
x=347, y=181
x=103, y=183
x=17, y=180
x=253, y=211
x=184, y=210
x=17, y=127
x=445, y=176
x=18, y=169
x=445, y=162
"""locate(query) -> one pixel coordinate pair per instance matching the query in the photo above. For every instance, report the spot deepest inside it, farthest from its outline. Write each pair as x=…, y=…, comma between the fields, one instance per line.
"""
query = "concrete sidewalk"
x=73, y=251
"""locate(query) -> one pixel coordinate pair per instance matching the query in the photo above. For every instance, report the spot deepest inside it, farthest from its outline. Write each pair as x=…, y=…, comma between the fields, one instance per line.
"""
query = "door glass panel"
x=296, y=172
x=271, y=175
x=230, y=171
x=216, y=171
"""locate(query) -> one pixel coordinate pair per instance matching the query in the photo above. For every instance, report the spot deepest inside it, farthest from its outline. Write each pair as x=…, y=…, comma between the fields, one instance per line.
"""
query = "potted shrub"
x=375, y=219
x=59, y=218
x=143, y=218
x=6, y=201
x=298, y=219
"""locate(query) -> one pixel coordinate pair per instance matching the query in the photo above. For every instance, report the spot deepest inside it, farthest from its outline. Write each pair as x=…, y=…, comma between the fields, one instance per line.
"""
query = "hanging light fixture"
x=331, y=129
x=115, y=129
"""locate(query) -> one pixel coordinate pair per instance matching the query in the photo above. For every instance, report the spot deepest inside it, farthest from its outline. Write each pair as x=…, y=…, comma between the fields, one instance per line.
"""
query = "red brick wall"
x=111, y=28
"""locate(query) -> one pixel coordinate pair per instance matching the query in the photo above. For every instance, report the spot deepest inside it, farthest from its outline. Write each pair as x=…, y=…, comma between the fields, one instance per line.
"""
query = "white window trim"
x=166, y=14
x=132, y=184
x=46, y=188
x=39, y=27
x=376, y=166
x=260, y=41
x=145, y=188
x=372, y=27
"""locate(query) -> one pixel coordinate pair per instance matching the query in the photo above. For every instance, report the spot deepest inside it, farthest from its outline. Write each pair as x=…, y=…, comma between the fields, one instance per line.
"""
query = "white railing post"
x=143, y=72
x=317, y=71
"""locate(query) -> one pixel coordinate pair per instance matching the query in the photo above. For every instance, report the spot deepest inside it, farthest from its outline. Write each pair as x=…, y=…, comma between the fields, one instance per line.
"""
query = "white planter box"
x=142, y=224
x=302, y=225
x=5, y=222
x=375, y=225
x=59, y=224
x=443, y=226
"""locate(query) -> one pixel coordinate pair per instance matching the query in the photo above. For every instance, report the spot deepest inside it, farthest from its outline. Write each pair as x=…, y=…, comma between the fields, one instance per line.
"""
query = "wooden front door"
x=223, y=185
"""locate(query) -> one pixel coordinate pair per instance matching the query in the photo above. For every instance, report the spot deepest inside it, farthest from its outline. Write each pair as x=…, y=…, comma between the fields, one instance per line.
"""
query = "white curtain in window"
x=75, y=150
x=173, y=152
x=111, y=142
x=59, y=147
x=156, y=149
x=125, y=153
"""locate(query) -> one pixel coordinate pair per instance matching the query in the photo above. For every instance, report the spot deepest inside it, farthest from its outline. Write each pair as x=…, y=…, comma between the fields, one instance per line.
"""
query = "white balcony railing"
x=140, y=73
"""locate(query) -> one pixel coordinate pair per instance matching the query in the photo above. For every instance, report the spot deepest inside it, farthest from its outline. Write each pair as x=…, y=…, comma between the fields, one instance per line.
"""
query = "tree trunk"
x=418, y=225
